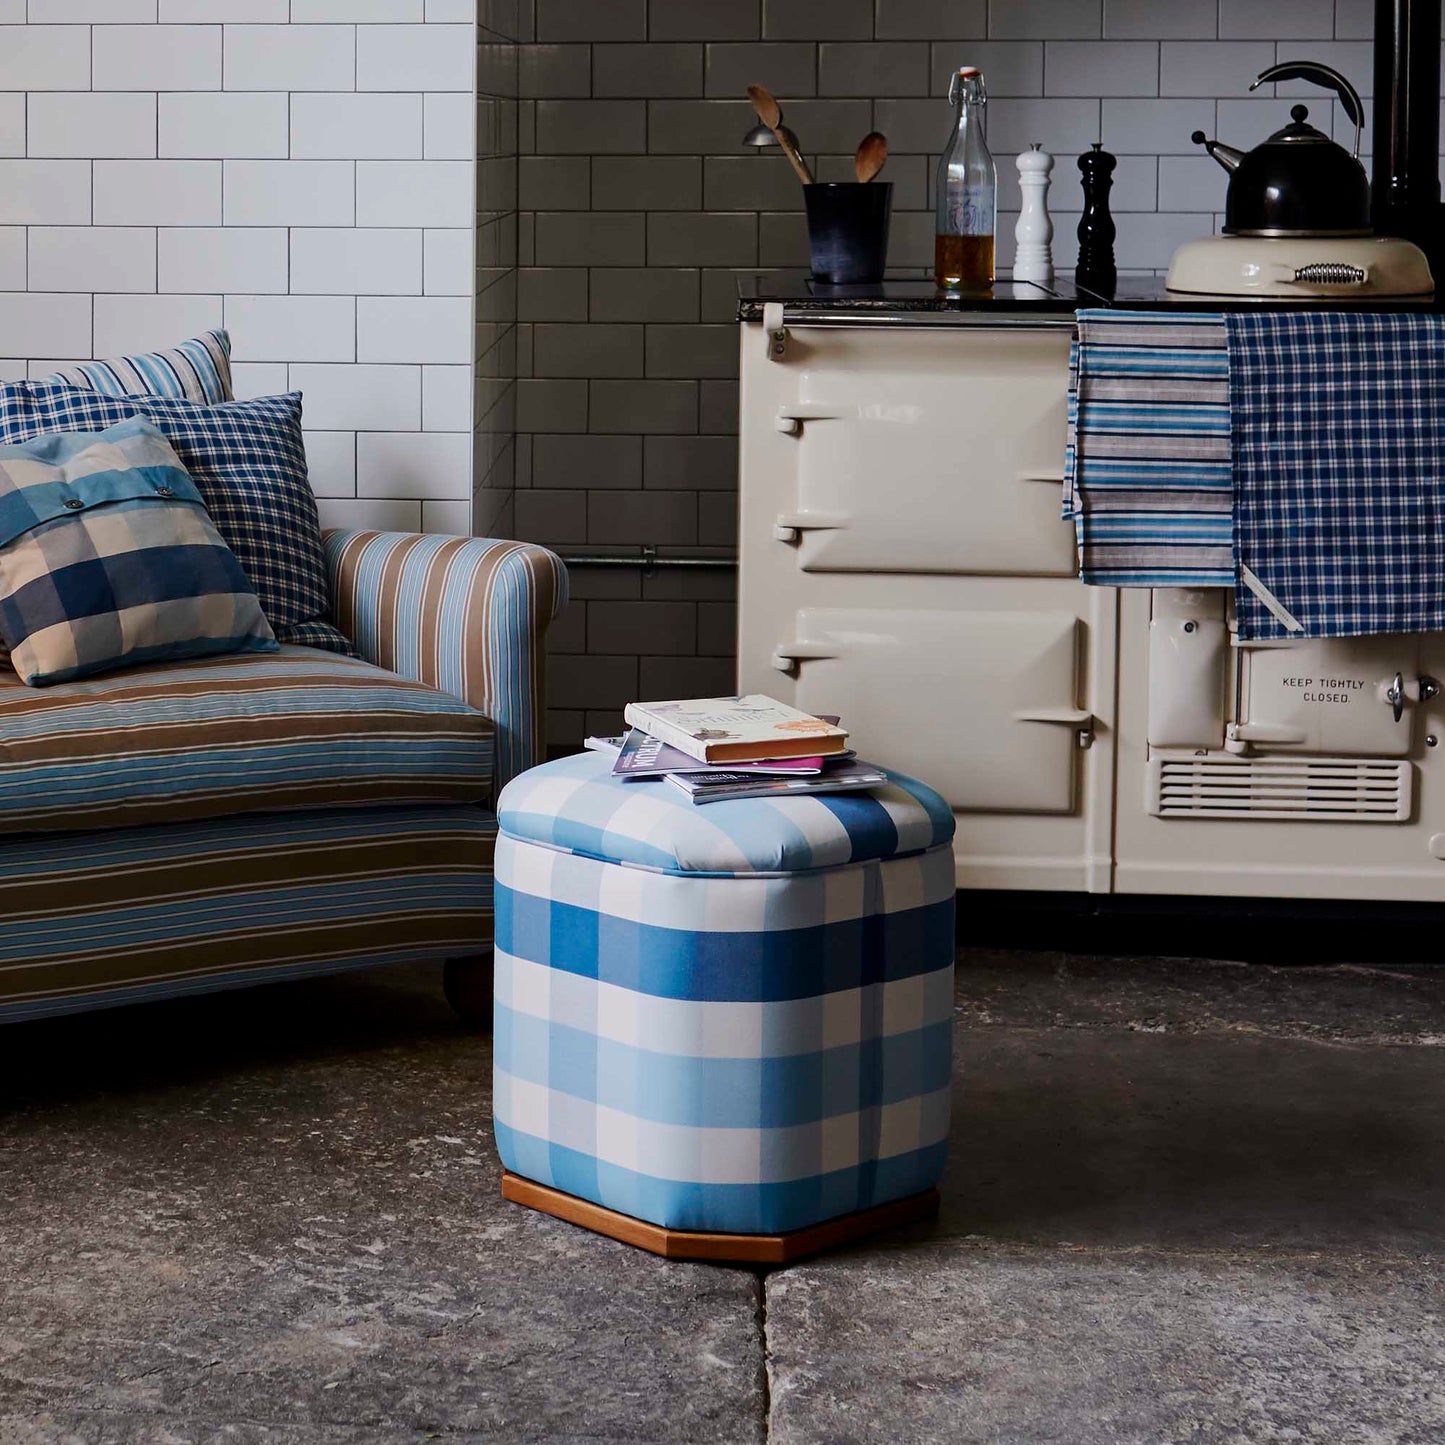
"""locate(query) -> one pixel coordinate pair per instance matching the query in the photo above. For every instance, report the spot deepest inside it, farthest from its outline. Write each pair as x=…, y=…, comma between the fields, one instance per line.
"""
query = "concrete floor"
x=1187, y=1202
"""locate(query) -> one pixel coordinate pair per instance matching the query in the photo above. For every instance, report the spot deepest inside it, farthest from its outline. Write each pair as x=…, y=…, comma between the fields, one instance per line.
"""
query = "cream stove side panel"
x=993, y=712
x=1375, y=858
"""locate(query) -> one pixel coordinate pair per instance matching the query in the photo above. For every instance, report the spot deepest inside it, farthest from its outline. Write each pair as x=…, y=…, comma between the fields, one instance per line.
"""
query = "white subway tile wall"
x=639, y=209
x=273, y=165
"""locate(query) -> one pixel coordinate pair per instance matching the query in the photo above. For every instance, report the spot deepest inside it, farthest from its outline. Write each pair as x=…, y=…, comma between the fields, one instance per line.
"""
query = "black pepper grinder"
x=1095, y=271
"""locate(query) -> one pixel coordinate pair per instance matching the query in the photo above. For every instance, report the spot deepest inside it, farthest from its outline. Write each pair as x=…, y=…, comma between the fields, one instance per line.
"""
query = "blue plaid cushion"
x=247, y=458
x=108, y=557
x=196, y=370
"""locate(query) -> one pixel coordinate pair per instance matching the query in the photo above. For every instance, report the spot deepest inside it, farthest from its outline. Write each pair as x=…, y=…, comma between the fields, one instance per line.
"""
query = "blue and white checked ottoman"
x=732, y=1018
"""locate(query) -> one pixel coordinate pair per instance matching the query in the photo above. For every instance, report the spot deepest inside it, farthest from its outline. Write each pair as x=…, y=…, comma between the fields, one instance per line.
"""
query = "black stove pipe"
x=1405, y=191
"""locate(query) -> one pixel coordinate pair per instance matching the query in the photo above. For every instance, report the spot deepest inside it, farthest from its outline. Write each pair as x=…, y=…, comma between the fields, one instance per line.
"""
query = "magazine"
x=715, y=787
x=644, y=756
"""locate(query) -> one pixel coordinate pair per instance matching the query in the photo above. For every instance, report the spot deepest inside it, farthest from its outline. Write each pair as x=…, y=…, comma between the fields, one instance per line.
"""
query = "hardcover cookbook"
x=737, y=729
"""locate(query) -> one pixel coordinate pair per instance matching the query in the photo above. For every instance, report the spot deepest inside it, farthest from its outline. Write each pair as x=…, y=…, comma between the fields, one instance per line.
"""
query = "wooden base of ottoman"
x=720, y=1248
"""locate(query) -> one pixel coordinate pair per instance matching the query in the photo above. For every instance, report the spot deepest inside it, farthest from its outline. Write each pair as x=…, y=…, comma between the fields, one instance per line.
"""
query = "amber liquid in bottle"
x=963, y=263
x=967, y=187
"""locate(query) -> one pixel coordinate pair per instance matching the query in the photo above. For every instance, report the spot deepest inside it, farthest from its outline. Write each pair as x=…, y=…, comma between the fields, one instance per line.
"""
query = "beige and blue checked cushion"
x=248, y=459
x=108, y=558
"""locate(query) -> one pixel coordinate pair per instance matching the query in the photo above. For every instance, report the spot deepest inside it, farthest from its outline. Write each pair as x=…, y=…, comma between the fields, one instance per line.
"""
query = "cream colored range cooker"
x=904, y=564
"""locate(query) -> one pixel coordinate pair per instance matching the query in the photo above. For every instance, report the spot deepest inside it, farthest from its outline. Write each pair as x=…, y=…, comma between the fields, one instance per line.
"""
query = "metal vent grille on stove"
x=1321, y=790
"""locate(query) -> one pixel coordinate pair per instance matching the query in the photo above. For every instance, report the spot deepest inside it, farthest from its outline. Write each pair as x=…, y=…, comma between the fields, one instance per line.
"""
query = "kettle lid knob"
x=1298, y=113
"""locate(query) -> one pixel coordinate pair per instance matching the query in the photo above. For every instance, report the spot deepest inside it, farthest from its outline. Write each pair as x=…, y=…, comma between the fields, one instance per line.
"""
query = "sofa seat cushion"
x=249, y=733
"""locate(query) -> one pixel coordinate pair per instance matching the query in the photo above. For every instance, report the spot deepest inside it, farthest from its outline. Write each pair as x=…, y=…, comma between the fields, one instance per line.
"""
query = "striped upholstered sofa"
x=228, y=820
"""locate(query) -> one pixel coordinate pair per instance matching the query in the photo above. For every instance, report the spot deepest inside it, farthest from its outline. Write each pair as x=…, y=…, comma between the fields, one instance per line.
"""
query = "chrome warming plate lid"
x=1304, y=268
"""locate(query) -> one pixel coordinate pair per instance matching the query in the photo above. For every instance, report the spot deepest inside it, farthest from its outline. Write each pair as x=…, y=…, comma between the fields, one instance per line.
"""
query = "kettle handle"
x=1322, y=75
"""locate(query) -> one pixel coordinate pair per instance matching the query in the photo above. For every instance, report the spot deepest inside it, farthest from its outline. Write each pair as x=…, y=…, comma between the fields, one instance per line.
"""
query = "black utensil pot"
x=848, y=230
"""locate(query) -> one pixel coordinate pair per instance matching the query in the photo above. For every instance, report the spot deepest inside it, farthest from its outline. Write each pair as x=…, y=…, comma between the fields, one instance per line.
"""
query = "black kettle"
x=1299, y=182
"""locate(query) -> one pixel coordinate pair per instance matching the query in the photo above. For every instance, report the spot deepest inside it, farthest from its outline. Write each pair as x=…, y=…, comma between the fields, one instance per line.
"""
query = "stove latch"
x=1395, y=696
x=775, y=330
x=1399, y=692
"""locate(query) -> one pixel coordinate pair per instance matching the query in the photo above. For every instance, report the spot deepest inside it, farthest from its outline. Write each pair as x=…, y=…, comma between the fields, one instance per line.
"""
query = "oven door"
x=982, y=705
x=1348, y=696
x=948, y=459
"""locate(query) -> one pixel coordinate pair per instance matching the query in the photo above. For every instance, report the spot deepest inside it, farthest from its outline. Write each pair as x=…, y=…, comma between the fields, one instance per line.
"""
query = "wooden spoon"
x=871, y=156
x=771, y=115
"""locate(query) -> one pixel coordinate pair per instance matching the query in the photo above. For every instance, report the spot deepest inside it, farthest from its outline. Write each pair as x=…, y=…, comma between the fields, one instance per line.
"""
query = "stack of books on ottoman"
x=716, y=748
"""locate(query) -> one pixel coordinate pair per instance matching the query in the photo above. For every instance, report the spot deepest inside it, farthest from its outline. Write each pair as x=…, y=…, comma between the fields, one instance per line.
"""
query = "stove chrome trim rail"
x=778, y=317
x=945, y=320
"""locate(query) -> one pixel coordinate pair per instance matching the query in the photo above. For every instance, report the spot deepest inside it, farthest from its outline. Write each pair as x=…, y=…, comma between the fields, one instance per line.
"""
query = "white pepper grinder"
x=1033, y=257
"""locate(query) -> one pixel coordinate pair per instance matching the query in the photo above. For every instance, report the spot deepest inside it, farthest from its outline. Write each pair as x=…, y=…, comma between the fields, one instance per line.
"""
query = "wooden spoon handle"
x=770, y=113
x=794, y=159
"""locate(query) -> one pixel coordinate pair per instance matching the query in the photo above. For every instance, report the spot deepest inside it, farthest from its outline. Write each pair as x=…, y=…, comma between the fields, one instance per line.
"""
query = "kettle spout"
x=1227, y=156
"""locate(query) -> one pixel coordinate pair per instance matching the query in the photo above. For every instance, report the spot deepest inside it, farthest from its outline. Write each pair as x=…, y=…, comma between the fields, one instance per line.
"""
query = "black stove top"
x=799, y=292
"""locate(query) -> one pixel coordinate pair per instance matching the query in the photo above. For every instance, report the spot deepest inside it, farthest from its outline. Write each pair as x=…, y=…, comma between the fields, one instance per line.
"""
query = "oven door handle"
x=791, y=416
x=787, y=655
x=790, y=526
x=1265, y=732
x=1081, y=720
x=1072, y=717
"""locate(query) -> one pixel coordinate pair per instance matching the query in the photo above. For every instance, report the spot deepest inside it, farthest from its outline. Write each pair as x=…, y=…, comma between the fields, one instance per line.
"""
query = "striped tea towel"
x=1147, y=471
x=1339, y=469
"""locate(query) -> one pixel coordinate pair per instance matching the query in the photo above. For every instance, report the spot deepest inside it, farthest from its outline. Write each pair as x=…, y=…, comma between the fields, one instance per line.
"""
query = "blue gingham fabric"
x=108, y=558
x=1147, y=478
x=1339, y=464
x=196, y=370
x=576, y=804
x=748, y=1052
x=247, y=458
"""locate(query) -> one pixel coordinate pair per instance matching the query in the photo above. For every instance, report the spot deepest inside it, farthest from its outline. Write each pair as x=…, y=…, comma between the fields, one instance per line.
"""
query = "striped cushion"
x=247, y=458
x=198, y=370
x=108, y=558
x=576, y=805
x=94, y=919
x=242, y=734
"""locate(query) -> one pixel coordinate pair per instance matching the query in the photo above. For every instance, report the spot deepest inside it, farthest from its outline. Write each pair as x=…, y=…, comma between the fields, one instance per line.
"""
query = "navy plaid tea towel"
x=1338, y=443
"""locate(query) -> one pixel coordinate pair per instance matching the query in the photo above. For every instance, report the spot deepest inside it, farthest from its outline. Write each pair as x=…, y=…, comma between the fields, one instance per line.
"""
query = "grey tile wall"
x=502, y=25
x=638, y=211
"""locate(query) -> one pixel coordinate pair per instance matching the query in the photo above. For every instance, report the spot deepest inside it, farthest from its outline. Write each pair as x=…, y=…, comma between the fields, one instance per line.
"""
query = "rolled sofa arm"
x=467, y=615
